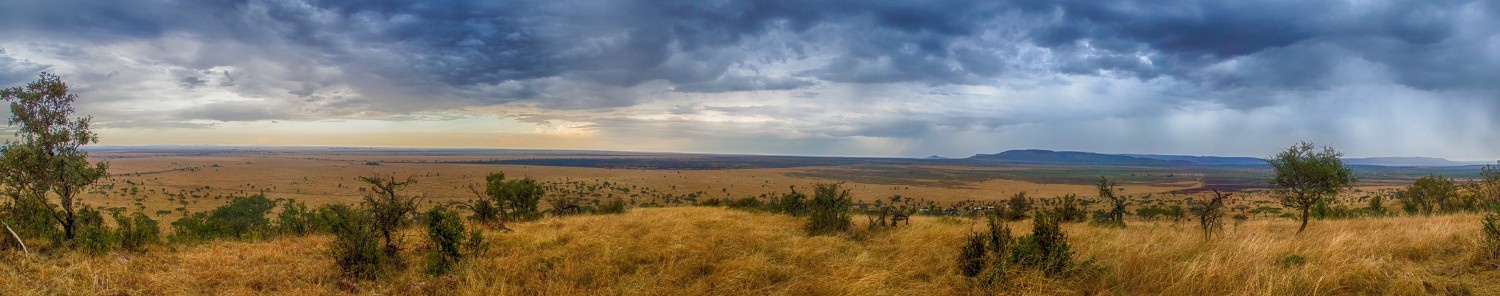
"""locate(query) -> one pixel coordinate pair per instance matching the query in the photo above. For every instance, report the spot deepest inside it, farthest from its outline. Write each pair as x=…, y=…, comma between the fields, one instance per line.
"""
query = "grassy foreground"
x=695, y=251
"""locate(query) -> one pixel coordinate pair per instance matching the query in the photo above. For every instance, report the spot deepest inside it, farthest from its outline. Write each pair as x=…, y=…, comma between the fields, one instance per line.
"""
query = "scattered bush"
x=1068, y=209
x=484, y=211
x=242, y=218
x=445, y=233
x=1016, y=207
x=356, y=245
x=1376, y=206
x=1431, y=194
x=517, y=199
x=794, y=203
x=295, y=219
x=31, y=220
x=389, y=210
x=615, y=206
x=91, y=234
x=971, y=260
x=136, y=231
x=829, y=209
x=1045, y=250
x=1491, y=233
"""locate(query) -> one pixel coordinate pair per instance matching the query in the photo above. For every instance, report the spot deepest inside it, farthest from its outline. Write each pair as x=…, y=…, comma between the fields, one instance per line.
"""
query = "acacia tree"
x=516, y=198
x=1305, y=177
x=45, y=159
x=1433, y=193
x=1210, y=213
x=1116, y=216
x=389, y=208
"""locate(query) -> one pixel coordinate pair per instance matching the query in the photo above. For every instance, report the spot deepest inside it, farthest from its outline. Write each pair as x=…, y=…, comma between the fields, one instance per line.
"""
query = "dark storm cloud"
x=1102, y=60
x=446, y=47
x=15, y=70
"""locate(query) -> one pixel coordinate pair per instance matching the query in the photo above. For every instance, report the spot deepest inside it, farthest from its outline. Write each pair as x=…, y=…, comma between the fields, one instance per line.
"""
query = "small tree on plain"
x=389, y=209
x=1210, y=213
x=1017, y=206
x=1116, y=215
x=1305, y=177
x=517, y=198
x=829, y=209
x=1433, y=193
x=46, y=160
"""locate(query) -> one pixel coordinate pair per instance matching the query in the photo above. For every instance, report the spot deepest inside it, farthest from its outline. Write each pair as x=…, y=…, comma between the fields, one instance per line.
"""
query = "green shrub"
x=242, y=218
x=136, y=231
x=389, y=210
x=484, y=211
x=517, y=199
x=971, y=260
x=356, y=245
x=1047, y=248
x=1491, y=231
x=1068, y=209
x=296, y=219
x=91, y=234
x=1017, y=206
x=445, y=233
x=829, y=210
x=746, y=203
x=32, y=220
x=793, y=203
x=615, y=206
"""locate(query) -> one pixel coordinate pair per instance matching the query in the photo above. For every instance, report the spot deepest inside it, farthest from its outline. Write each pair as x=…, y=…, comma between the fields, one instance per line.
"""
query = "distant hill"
x=1035, y=156
x=1205, y=160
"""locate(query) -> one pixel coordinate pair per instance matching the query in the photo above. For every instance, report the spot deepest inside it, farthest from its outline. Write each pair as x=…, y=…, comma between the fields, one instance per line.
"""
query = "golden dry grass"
x=715, y=251
x=326, y=178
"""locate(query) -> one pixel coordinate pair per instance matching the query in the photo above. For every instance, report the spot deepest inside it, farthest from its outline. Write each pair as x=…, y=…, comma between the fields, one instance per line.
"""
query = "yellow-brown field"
x=716, y=251
x=332, y=178
x=719, y=251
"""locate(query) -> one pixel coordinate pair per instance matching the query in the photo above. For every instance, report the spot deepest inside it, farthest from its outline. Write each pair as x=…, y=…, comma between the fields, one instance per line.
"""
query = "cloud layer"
x=894, y=78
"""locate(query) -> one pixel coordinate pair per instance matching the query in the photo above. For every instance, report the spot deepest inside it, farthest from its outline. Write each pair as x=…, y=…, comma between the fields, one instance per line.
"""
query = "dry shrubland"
x=703, y=250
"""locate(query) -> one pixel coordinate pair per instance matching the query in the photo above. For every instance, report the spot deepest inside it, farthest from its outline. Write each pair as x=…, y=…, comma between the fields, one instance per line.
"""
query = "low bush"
x=1070, y=209
x=746, y=203
x=793, y=203
x=828, y=212
x=136, y=231
x=356, y=246
x=92, y=235
x=445, y=233
x=1016, y=207
x=615, y=206
x=1491, y=233
x=242, y=218
x=484, y=211
x=296, y=219
x=992, y=253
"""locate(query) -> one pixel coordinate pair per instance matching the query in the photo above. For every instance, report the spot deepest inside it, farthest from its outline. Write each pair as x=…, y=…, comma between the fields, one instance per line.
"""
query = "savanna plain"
x=256, y=221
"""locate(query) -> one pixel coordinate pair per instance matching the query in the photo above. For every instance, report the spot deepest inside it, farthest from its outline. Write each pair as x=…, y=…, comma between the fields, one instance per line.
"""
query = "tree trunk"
x=1304, y=220
x=70, y=220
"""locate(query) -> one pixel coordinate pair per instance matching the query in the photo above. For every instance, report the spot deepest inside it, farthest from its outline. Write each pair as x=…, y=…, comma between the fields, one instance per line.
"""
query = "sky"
x=840, y=77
